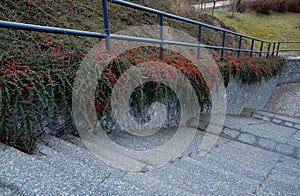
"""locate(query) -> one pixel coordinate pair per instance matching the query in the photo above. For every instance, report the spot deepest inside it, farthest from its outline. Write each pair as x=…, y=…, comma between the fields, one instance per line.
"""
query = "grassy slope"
x=87, y=15
x=277, y=26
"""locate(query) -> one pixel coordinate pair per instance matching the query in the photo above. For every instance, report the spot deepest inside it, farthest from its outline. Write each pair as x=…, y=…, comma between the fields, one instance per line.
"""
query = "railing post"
x=278, y=45
x=199, y=41
x=240, y=45
x=161, y=35
x=274, y=44
x=269, y=46
x=252, y=46
x=261, y=48
x=223, y=44
x=106, y=24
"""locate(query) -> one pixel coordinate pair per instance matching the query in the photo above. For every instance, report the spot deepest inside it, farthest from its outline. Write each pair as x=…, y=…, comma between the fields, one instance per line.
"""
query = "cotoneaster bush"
x=37, y=70
x=34, y=81
x=248, y=69
x=28, y=85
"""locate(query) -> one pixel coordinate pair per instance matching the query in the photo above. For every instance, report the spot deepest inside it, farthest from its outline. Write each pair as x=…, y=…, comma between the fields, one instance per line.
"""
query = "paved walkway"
x=252, y=157
x=285, y=100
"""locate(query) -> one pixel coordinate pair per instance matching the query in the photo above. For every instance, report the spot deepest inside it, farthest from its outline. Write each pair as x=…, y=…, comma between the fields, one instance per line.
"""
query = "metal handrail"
x=179, y=18
x=47, y=29
x=107, y=35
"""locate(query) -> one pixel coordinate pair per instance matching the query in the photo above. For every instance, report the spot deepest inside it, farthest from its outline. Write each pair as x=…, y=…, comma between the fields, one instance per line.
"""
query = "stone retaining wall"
x=242, y=95
x=239, y=96
x=255, y=96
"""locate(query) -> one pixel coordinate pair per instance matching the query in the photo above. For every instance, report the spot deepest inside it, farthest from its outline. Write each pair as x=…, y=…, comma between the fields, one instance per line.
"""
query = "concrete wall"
x=255, y=96
x=242, y=95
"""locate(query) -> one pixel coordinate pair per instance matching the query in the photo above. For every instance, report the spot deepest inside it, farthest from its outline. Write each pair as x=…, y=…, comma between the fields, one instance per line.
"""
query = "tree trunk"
x=213, y=9
x=233, y=8
x=238, y=5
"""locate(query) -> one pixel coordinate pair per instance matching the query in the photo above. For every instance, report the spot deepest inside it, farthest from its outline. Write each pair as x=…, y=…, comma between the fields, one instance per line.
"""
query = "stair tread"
x=161, y=186
x=150, y=184
x=180, y=179
x=219, y=178
x=32, y=176
x=78, y=153
x=274, y=114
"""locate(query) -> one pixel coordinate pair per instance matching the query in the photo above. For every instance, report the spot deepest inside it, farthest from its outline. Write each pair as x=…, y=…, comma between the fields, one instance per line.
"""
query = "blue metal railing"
x=273, y=47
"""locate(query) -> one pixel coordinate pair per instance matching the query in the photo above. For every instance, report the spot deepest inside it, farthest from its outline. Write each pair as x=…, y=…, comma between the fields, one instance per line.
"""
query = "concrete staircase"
x=255, y=154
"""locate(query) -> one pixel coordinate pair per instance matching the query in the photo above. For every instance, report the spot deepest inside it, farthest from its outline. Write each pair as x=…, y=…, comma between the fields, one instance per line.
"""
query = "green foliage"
x=248, y=69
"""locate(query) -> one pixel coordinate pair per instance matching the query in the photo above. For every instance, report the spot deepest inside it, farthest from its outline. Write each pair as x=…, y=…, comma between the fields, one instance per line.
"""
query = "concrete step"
x=260, y=133
x=183, y=180
x=222, y=180
x=273, y=117
x=240, y=158
x=160, y=186
x=147, y=186
x=78, y=153
x=73, y=175
x=72, y=166
x=254, y=165
x=138, y=179
x=207, y=175
x=24, y=174
x=251, y=156
x=283, y=179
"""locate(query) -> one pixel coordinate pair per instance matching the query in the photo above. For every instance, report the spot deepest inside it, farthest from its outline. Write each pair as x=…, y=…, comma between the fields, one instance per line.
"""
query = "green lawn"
x=273, y=27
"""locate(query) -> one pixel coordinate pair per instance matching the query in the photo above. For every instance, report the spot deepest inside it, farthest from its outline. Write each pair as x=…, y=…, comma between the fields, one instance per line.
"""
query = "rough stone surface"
x=258, y=116
x=270, y=130
x=295, y=140
x=266, y=143
x=237, y=122
x=284, y=148
x=289, y=124
x=241, y=95
x=232, y=133
x=230, y=167
x=290, y=72
x=298, y=153
x=285, y=101
x=288, y=118
x=247, y=138
x=266, y=118
x=275, y=120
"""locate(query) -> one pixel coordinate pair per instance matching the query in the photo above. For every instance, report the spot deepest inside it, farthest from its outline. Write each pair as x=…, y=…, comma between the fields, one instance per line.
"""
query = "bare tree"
x=233, y=7
x=201, y=3
x=238, y=5
x=214, y=7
